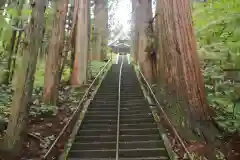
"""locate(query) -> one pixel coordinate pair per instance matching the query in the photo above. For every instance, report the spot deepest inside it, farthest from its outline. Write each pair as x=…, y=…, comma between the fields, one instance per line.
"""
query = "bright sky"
x=123, y=13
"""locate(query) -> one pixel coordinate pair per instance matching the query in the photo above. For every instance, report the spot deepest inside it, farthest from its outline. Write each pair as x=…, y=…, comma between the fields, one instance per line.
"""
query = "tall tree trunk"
x=89, y=31
x=133, y=31
x=72, y=40
x=105, y=31
x=178, y=64
x=178, y=34
x=63, y=60
x=66, y=47
x=56, y=44
x=79, y=76
x=144, y=15
x=100, y=22
x=16, y=52
x=8, y=77
x=137, y=22
x=16, y=129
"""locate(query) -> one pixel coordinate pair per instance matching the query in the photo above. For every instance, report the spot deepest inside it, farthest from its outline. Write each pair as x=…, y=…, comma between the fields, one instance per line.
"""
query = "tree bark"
x=144, y=15
x=100, y=29
x=72, y=40
x=178, y=63
x=17, y=45
x=16, y=129
x=7, y=78
x=74, y=22
x=79, y=75
x=66, y=47
x=105, y=31
x=56, y=44
x=133, y=31
x=11, y=66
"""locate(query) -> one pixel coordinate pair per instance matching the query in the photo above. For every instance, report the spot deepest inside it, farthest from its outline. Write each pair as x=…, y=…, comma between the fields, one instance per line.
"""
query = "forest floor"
x=233, y=145
x=42, y=131
x=45, y=121
x=225, y=145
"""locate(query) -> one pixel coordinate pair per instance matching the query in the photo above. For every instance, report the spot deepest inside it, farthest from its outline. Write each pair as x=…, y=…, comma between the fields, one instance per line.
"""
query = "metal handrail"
x=165, y=115
x=75, y=113
x=119, y=103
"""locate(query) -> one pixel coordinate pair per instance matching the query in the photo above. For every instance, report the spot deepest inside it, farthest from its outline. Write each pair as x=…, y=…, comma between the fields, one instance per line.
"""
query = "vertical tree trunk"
x=63, y=60
x=178, y=63
x=16, y=52
x=137, y=25
x=100, y=22
x=74, y=23
x=72, y=40
x=51, y=78
x=133, y=31
x=89, y=31
x=105, y=31
x=79, y=76
x=22, y=96
x=8, y=77
x=66, y=46
x=144, y=15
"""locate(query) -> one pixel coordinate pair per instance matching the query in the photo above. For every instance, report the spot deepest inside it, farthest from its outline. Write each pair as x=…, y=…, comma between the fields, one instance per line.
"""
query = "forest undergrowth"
x=45, y=121
x=217, y=30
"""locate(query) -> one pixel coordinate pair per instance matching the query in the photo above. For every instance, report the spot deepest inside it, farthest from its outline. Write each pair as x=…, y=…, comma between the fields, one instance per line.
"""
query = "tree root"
x=36, y=137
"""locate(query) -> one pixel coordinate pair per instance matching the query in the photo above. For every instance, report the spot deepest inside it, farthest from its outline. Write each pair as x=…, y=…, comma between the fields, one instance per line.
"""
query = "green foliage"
x=196, y=156
x=37, y=109
x=42, y=110
x=10, y=17
x=66, y=74
x=220, y=156
x=39, y=75
x=5, y=102
x=5, y=35
x=95, y=67
x=218, y=30
x=105, y=49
